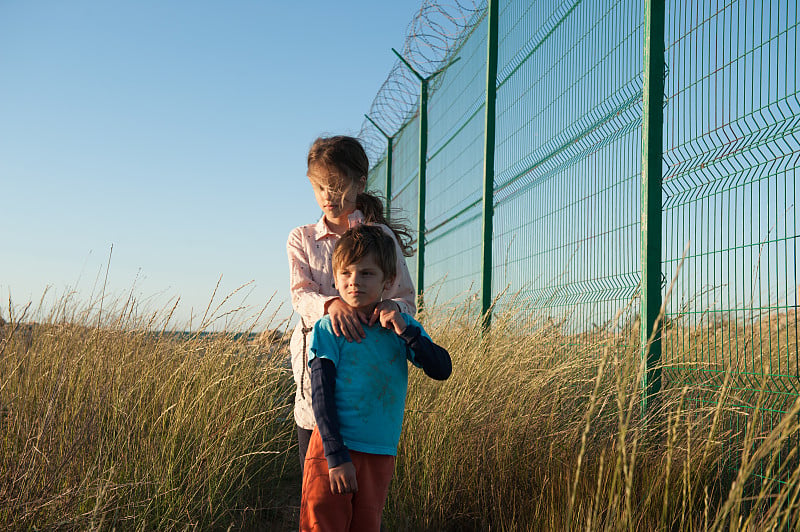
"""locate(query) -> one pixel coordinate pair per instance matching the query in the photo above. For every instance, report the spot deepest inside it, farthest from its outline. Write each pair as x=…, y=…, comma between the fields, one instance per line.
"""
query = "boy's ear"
x=387, y=283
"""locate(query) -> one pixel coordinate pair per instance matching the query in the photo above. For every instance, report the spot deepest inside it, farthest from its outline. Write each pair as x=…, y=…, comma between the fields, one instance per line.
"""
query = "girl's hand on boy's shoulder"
x=346, y=321
x=393, y=321
x=343, y=479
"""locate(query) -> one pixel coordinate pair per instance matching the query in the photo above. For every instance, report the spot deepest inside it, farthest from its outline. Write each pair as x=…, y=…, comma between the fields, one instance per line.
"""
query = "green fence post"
x=388, y=192
x=488, y=164
x=652, y=133
x=423, y=166
x=423, y=176
x=389, y=143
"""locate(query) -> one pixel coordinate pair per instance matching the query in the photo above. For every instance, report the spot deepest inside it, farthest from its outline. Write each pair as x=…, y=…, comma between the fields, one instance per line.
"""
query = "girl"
x=337, y=169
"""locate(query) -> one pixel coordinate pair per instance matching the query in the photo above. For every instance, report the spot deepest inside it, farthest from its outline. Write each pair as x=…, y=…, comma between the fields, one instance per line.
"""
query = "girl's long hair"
x=347, y=155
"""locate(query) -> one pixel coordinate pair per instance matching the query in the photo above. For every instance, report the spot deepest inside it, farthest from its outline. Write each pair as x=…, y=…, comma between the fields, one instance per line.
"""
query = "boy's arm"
x=434, y=359
x=323, y=386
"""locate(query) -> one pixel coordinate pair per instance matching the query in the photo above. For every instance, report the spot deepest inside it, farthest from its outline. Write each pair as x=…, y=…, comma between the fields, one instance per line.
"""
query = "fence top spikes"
x=371, y=121
x=420, y=76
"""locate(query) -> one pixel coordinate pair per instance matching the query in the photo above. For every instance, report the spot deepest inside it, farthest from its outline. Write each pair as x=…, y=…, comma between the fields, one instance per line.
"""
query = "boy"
x=359, y=390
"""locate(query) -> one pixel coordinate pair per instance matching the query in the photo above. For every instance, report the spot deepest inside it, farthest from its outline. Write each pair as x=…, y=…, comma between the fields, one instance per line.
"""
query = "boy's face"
x=361, y=284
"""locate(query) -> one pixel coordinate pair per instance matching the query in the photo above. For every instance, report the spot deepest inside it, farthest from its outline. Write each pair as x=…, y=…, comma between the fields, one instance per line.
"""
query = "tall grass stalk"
x=540, y=430
x=109, y=420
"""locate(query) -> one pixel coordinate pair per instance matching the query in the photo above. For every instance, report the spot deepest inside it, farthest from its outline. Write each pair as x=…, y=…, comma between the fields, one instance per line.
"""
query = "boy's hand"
x=393, y=321
x=343, y=479
x=384, y=307
x=346, y=320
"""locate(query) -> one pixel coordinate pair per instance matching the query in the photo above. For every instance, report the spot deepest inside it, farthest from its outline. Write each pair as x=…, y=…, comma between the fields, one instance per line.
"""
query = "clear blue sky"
x=176, y=132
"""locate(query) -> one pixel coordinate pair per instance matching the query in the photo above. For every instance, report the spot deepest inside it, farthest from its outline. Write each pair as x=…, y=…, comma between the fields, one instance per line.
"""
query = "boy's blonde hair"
x=362, y=240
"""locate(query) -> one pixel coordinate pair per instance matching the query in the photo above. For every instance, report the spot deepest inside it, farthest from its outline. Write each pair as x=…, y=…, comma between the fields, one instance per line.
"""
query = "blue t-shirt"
x=371, y=383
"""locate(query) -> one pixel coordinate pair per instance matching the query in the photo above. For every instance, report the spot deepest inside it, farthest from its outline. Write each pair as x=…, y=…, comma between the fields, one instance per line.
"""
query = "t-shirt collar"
x=321, y=229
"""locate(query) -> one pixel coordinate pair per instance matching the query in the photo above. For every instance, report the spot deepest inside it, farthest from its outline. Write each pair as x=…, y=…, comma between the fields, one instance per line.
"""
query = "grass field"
x=106, y=422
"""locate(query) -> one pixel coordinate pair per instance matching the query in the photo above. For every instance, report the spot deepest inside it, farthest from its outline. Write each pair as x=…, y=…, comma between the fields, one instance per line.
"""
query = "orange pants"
x=321, y=510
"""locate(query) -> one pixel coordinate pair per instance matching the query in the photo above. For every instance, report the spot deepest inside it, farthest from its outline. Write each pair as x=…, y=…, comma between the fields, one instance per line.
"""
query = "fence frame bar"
x=487, y=242
x=389, y=144
x=423, y=169
x=652, y=139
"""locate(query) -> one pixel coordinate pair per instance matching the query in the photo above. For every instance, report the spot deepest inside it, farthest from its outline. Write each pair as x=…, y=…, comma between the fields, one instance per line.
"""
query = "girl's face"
x=335, y=192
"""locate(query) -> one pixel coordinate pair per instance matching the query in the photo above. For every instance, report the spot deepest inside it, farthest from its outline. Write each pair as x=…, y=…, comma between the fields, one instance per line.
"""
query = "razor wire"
x=433, y=34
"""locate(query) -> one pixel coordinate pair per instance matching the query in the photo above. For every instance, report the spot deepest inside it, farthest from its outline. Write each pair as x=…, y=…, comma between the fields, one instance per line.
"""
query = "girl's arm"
x=400, y=295
x=402, y=290
x=307, y=299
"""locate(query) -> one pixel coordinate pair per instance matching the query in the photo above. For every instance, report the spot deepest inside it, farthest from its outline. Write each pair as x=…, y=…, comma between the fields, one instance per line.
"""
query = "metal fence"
x=594, y=156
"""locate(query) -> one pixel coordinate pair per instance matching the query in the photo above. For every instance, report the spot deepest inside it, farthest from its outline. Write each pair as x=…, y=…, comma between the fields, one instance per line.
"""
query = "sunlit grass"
x=108, y=422
x=530, y=435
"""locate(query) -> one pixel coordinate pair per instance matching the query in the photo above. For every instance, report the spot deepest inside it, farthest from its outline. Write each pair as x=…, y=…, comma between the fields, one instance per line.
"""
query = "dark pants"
x=303, y=435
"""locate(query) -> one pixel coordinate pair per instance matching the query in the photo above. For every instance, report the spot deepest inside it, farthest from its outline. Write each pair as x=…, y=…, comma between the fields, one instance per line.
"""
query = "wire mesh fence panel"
x=455, y=172
x=732, y=146
x=376, y=181
x=731, y=190
x=567, y=197
x=568, y=148
x=405, y=183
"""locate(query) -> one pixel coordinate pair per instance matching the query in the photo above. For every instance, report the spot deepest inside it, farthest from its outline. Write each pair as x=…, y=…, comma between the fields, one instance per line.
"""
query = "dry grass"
x=530, y=435
x=756, y=352
x=107, y=424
